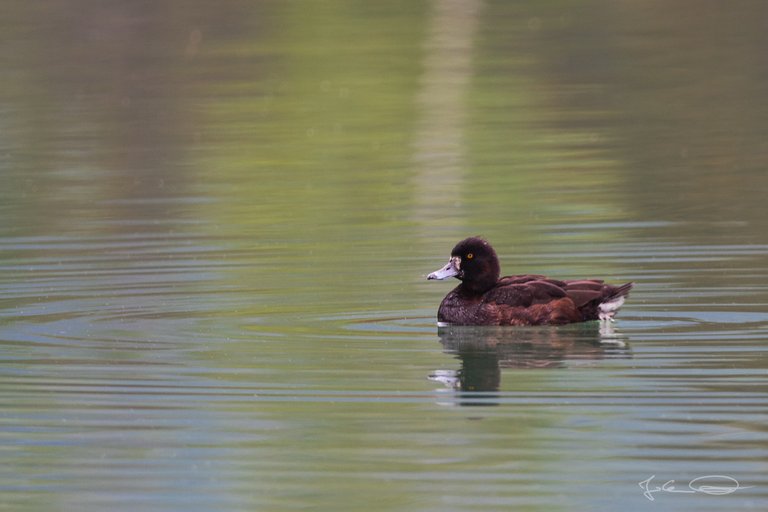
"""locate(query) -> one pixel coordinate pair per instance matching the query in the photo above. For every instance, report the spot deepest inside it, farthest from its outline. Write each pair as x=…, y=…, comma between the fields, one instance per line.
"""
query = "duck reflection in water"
x=484, y=351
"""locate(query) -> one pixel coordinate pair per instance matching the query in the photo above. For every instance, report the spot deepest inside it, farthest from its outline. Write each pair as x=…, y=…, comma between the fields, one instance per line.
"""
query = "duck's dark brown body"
x=529, y=300
x=484, y=299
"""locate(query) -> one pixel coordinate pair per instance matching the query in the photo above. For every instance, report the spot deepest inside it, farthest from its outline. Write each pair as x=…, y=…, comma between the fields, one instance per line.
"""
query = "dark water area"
x=216, y=222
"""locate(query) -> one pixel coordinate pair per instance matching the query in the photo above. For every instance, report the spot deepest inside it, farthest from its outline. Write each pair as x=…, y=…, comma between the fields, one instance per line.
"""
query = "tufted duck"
x=484, y=299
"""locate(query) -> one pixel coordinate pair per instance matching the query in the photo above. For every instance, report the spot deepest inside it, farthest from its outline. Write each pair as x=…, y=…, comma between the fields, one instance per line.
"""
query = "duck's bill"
x=447, y=271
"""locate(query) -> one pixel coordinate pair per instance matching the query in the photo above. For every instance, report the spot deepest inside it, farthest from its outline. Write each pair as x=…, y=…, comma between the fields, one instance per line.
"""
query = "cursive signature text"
x=714, y=485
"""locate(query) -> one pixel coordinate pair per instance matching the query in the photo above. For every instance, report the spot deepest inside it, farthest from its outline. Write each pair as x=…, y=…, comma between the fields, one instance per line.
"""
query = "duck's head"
x=474, y=262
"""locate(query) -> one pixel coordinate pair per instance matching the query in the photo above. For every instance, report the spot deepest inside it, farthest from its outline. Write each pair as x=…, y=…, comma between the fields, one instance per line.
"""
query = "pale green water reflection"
x=216, y=220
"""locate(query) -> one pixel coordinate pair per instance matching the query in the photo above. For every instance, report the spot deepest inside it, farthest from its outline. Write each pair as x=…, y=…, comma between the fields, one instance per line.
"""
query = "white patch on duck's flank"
x=609, y=308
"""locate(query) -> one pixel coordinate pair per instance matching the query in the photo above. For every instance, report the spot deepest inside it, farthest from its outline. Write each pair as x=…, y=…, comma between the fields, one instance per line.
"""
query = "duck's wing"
x=522, y=279
x=585, y=291
x=524, y=291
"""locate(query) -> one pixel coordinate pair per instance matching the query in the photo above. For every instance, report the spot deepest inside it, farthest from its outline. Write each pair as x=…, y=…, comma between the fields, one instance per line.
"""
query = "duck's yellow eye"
x=470, y=256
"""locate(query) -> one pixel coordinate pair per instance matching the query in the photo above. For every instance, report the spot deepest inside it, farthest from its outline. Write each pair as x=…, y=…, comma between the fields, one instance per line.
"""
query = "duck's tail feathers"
x=608, y=308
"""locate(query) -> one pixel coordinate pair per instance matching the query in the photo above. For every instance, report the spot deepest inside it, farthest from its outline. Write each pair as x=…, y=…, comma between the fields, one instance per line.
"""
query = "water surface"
x=216, y=222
